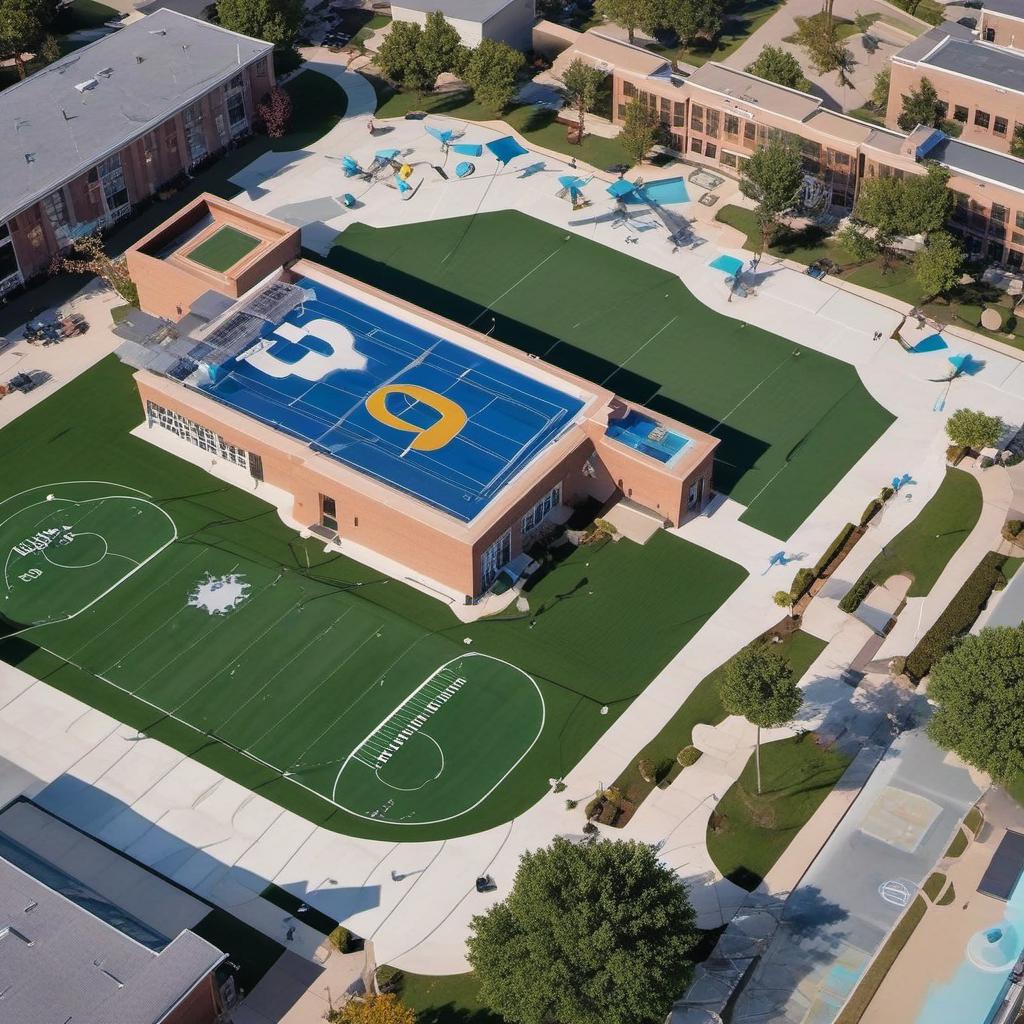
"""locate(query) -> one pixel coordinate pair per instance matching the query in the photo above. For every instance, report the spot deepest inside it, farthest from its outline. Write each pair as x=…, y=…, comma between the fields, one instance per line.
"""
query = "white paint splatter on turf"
x=219, y=595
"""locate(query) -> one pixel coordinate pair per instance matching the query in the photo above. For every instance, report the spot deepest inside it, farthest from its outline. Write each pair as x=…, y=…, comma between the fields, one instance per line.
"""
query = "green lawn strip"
x=592, y=310
x=1010, y=567
x=223, y=249
x=316, y=920
x=702, y=707
x=933, y=885
x=804, y=246
x=84, y=14
x=947, y=897
x=903, y=26
x=974, y=820
x=843, y=28
x=254, y=952
x=536, y=124
x=445, y=999
x=1015, y=788
x=857, y=1004
x=958, y=844
x=870, y=115
x=923, y=548
x=748, y=833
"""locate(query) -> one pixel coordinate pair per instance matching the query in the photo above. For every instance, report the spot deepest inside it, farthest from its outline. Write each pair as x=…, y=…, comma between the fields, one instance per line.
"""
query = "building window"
x=115, y=191
x=998, y=213
x=1019, y=219
x=195, y=139
x=498, y=555
x=981, y=119
x=1000, y=125
x=695, y=145
x=328, y=512
x=195, y=434
x=10, y=275
x=990, y=35
x=679, y=115
x=697, y=118
x=55, y=206
x=732, y=124
x=709, y=150
x=960, y=114
x=628, y=89
x=540, y=511
x=713, y=119
x=943, y=108
x=749, y=132
x=728, y=159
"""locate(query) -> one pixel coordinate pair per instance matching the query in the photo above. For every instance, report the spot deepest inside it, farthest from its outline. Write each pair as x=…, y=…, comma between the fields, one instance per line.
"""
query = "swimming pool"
x=636, y=430
x=664, y=193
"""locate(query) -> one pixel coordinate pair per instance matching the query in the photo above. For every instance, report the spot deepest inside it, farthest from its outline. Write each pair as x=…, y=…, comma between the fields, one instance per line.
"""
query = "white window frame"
x=542, y=509
x=495, y=558
x=195, y=434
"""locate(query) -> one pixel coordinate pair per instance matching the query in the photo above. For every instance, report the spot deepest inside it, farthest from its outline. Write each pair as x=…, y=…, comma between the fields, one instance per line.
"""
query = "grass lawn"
x=446, y=999
x=790, y=427
x=536, y=124
x=923, y=548
x=254, y=952
x=804, y=246
x=702, y=707
x=1010, y=567
x=844, y=27
x=870, y=115
x=84, y=14
x=739, y=27
x=748, y=833
x=223, y=249
x=605, y=619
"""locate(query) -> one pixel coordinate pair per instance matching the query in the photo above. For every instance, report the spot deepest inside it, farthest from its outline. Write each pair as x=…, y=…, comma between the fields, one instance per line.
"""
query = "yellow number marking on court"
x=428, y=439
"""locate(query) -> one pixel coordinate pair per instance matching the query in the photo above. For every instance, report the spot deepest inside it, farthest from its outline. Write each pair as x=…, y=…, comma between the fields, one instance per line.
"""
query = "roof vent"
x=158, y=31
x=105, y=72
x=139, y=59
x=30, y=158
x=89, y=83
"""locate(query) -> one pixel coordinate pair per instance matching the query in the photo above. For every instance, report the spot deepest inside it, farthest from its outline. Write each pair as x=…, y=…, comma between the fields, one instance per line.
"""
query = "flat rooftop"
x=69, y=116
x=754, y=92
x=983, y=62
x=439, y=417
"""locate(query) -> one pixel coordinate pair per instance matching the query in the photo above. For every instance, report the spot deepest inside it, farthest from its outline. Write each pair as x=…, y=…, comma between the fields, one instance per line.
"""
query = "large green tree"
x=581, y=84
x=937, y=266
x=920, y=106
x=880, y=89
x=440, y=47
x=779, y=66
x=23, y=25
x=772, y=178
x=694, y=20
x=646, y=15
x=759, y=684
x=640, y=130
x=400, y=57
x=592, y=933
x=972, y=428
x=979, y=689
x=491, y=71
x=276, y=21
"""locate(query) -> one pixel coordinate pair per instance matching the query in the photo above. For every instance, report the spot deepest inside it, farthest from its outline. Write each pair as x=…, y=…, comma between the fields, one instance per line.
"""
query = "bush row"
x=856, y=594
x=959, y=616
x=1012, y=531
x=833, y=549
x=801, y=583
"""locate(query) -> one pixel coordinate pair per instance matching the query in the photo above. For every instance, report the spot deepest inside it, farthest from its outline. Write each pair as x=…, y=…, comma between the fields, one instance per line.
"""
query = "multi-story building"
x=718, y=115
x=1002, y=22
x=98, y=131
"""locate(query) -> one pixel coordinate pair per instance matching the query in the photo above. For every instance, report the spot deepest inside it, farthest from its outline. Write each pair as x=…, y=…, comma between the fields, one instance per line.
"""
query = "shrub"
x=956, y=453
x=275, y=112
x=886, y=494
x=960, y=614
x=648, y=769
x=571, y=805
x=870, y=512
x=389, y=979
x=1014, y=459
x=340, y=939
x=987, y=463
x=801, y=583
x=856, y=594
x=590, y=829
x=687, y=756
x=1012, y=531
x=833, y=549
x=594, y=806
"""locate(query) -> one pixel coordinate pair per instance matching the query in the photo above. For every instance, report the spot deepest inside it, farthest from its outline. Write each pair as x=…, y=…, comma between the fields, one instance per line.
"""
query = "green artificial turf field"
x=223, y=249
x=184, y=607
x=791, y=423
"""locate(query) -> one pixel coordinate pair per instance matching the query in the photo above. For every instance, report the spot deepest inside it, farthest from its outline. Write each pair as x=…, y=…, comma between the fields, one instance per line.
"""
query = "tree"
x=784, y=599
x=694, y=20
x=439, y=48
x=276, y=21
x=640, y=130
x=592, y=933
x=382, y=1009
x=646, y=15
x=400, y=56
x=880, y=89
x=979, y=688
x=856, y=242
x=23, y=25
x=275, y=111
x=491, y=71
x=937, y=265
x=759, y=685
x=920, y=106
x=86, y=255
x=779, y=66
x=971, y=428
x=772, y=178
x=581, y=84
x=817, y=35
x=1017, y=142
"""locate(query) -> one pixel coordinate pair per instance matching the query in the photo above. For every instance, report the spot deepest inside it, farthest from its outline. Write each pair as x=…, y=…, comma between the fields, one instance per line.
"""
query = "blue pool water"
x=664, y=193
x=634, y=430
x=730, y=265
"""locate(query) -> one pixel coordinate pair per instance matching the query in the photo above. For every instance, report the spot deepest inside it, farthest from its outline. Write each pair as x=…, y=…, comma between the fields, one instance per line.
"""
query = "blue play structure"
x=729, y=265
x=620, y=189
x=901, y=481
x=348, y=200
x=573, y=186
x=443, y=135
x=468, y=149
x=933, y=343
x=386, y=154
x=349, y=167
x=464, y=169
x=505, y=149
x=509, y=416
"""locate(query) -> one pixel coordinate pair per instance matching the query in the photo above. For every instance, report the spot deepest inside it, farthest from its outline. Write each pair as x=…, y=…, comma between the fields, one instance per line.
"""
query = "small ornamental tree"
x=979, y=689
x=400, y=57
x=491, y=71
x=646, y=15
x=880, y=89
x=694, y=21
x=373, y=1009
x=440, y=48
x=784, y=599
x=937, y=265
x=920, y=106
x=855, y=241
x=640, y=130
x=581, y=84
x=593, y=933
x=275, y=111
x=772, y=177
x=780, y=66
x=971, y=428
x=86, y=255
x=1017, y=142
x=759, y=685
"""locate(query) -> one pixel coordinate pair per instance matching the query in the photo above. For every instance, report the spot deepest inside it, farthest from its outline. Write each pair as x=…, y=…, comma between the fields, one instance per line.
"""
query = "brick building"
x=1002, y=22
x=95, y=133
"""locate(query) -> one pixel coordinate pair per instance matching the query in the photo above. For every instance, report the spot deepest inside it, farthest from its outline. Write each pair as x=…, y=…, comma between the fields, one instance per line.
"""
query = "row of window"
x=982, y=119
x=539, y=512
x=195, y=434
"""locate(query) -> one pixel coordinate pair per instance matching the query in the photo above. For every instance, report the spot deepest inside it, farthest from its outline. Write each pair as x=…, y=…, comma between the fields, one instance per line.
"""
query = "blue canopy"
x=468, y=149
x=572, y=181
x=960, y=362
x=620, y=188
x=506, y=149
x=403, y=186
x=349, y=163
x=729, y=265
x=933, y=343
x=444, y=137
x=386, y=154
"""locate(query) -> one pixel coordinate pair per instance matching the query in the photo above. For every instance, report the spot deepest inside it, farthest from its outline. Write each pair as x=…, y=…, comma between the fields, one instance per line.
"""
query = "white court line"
x=623, y=364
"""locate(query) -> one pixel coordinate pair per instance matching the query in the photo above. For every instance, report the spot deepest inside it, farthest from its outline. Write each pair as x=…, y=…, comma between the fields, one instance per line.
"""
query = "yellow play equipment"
x=405, y=172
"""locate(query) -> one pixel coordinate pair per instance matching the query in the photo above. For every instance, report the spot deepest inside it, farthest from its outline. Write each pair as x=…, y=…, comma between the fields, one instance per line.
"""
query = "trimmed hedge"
x=870, y=512
x=801, y=583
x=389, y=979
x=856, y=594
x=687, y=756
x=834, y=548
x=960, y=614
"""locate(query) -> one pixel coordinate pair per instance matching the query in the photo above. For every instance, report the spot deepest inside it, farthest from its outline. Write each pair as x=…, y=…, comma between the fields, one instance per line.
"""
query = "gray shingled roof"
x=53, y=131
x=982, y=62
x=58, y=962
x=468, y=10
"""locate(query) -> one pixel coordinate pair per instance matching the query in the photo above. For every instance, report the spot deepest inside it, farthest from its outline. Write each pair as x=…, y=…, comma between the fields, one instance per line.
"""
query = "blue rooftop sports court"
x=431, y=417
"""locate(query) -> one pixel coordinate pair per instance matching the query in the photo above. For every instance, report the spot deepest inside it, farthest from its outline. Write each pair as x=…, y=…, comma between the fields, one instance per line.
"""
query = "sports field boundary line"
x=141, y=565
x=472, y=807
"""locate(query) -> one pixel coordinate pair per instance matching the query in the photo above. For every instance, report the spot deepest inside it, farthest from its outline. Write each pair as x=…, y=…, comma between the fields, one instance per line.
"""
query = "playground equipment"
x=405, y=172
x=464, y=169
x=350, y=167
x=348, y=200
x=572, y=189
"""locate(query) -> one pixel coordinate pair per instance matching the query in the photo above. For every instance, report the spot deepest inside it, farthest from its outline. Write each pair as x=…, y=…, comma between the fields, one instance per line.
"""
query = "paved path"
x=225, y=842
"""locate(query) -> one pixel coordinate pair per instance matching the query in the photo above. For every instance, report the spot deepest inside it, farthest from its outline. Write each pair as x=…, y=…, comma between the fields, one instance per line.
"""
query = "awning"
x=506, y=149
x=468, y=149
x=620, y=188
